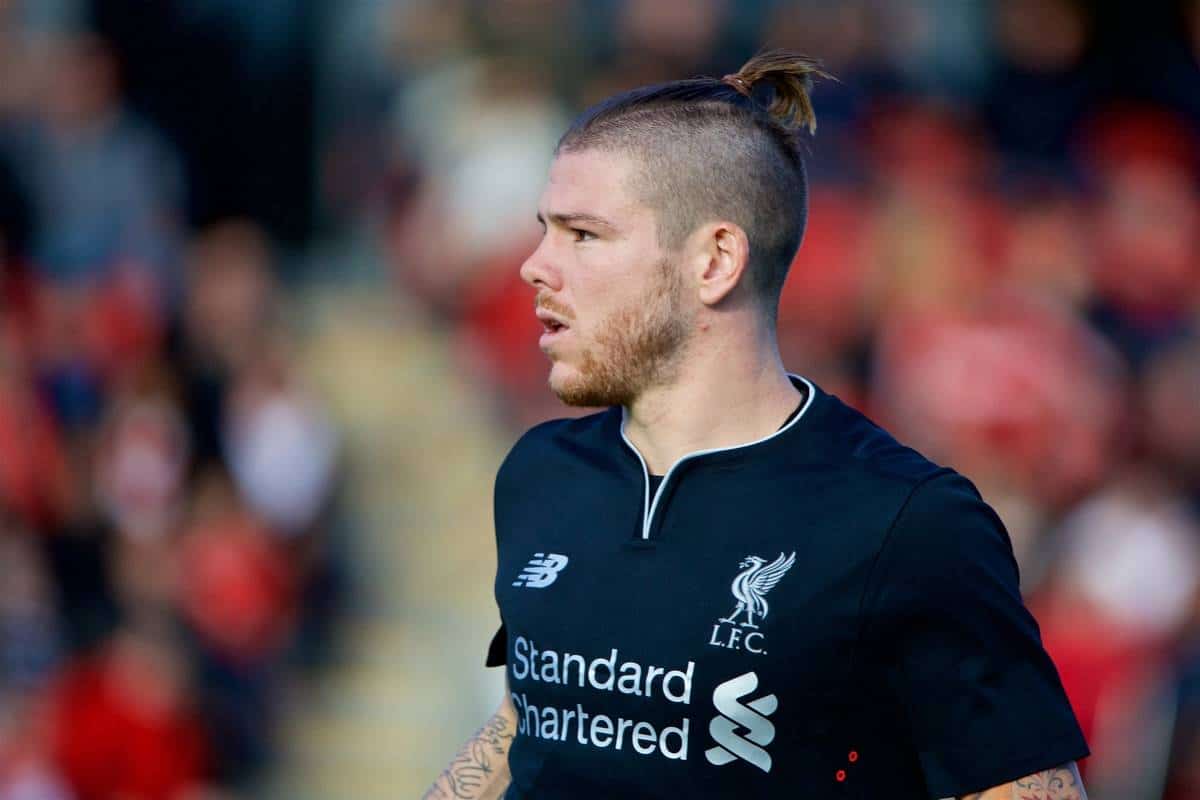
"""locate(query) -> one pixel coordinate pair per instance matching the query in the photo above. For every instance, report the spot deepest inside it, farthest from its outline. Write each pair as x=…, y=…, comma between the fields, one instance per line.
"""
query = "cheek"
x=604, y=291
x=589, y=299
x=605, y=283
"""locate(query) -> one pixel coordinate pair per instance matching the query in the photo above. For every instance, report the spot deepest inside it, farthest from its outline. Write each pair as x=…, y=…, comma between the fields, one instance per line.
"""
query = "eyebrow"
x=568, y=219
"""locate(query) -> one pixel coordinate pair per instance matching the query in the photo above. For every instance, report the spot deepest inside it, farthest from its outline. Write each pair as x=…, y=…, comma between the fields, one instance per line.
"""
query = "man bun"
x=790, y=74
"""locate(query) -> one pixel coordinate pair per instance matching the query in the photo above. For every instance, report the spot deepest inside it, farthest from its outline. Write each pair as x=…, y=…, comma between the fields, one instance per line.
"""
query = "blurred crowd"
x=1002, y=265
x=166, y=480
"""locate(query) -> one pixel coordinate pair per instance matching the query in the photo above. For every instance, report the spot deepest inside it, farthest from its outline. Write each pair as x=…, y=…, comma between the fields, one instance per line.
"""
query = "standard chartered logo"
x=752, y=716
x=542, y=678
x=544, y=719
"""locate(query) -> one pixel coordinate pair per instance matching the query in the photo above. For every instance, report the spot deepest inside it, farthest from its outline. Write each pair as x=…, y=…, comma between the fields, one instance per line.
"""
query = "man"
x=730, y=584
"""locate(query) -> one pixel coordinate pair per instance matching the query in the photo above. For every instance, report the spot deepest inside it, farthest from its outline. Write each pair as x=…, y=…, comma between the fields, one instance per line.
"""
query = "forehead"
x=593, y=182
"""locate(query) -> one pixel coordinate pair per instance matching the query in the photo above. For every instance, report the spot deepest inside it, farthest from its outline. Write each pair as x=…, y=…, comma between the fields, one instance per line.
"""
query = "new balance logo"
x=541, y=571
x=752, y=717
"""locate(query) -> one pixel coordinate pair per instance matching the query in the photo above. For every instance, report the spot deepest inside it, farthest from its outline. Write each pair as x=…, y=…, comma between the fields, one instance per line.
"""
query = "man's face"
x=612, y=302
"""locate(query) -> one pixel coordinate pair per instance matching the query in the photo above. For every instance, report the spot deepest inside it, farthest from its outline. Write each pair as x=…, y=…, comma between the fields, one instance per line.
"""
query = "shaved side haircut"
x=709, y=149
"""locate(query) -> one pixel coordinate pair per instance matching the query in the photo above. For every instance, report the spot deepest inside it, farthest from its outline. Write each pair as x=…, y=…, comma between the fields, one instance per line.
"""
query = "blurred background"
x=263, y=345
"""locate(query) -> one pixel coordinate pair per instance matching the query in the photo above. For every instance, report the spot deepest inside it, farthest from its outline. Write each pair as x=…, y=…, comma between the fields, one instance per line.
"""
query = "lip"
x=547, y=318
x=555, y=327
x=548, y=338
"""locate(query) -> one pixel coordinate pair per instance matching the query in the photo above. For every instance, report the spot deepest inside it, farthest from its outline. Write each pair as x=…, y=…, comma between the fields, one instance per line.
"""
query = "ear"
x=722, y=255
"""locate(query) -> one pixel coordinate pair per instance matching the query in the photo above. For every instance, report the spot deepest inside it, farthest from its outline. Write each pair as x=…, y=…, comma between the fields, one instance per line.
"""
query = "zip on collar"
x=649, y=506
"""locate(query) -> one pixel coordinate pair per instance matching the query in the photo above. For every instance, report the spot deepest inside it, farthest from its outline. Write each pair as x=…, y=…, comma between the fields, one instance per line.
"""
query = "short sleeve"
x=959, y=651
x=497, y=652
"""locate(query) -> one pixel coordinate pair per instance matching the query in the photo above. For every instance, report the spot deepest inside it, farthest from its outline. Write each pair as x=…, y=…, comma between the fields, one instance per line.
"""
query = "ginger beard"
x=634, y=348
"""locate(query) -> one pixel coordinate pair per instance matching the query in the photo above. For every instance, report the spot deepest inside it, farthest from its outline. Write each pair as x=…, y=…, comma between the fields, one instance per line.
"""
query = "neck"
x=717, y=398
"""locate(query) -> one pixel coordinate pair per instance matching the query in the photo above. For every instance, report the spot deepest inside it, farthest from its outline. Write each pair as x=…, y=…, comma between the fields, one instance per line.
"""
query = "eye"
x=581, y=235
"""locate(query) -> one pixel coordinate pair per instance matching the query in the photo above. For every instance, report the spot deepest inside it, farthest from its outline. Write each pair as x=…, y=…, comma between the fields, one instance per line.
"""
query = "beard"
x=636, y=348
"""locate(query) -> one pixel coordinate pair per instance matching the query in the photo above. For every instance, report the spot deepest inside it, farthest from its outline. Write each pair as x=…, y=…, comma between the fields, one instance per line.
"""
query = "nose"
x=538, y=271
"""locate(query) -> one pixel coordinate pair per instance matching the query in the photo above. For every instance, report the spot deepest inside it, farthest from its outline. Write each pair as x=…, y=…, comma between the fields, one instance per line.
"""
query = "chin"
x=577, y=388
x=566, y=382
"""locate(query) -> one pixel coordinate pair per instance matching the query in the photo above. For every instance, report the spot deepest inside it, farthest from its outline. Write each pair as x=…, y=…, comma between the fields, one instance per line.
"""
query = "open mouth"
x=552, y=323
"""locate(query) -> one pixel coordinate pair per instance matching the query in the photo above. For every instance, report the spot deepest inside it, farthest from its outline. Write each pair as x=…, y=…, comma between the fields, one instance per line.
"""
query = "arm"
x=480, y=770
x=1060, y=783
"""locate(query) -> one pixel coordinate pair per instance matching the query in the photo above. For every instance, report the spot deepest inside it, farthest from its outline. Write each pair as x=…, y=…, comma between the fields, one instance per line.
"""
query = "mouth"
x=552, y=325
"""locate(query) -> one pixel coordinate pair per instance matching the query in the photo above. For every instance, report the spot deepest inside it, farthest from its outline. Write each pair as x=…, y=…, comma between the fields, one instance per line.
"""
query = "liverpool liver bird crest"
x=752, y=584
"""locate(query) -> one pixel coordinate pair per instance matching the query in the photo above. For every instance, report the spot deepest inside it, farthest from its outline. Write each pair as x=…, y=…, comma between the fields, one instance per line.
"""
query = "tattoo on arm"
x=482, y=762
x=1060, y=783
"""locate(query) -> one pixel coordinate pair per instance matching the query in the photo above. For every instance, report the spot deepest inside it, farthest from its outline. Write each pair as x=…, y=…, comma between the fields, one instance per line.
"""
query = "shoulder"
x=854, y=443
x=934, y=513
x=552, y=444
x=946, y=540
x=947, y=510
x=556, y=435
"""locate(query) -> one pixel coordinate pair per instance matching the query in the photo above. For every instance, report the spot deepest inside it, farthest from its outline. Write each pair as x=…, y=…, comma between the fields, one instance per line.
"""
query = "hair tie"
x=738, y=83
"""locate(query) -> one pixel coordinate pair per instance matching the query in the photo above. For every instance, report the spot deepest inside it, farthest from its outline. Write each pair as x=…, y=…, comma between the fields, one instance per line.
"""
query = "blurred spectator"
x=1133, y=554
x=1146, y=230
x=229, y=304
x=822, y=314
x=1046, y=246
x=1044, y=81
x=282, y=450
x=237, y=594
x=935, y=235
x=141, y=462
x=1171, y=405
x=1124, y=590
x=481, y=162
x=79, y=557
x=88, y=341
x=33, y=468
x=123, y=725
x=69, y=362
x=940, y=46
x=678, y=39
x=850, y=38
x=30, y=644
x=106, y=189
x=27, y=768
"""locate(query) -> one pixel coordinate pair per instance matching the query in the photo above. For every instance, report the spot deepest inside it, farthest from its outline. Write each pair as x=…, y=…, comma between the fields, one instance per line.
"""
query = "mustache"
x=554, y=307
